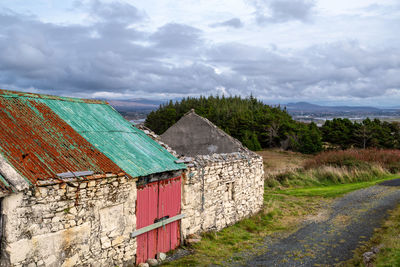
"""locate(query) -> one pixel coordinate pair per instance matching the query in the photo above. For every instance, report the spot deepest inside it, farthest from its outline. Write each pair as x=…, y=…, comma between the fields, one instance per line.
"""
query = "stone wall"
x=220, y=190
x=76, y=224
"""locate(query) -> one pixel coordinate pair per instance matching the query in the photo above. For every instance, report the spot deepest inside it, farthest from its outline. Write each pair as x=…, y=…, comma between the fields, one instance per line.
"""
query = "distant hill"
x=136, y=104
x=308, y=107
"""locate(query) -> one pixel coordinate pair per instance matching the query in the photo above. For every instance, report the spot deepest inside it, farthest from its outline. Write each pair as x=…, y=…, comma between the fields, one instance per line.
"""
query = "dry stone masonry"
x=85, y=223
x=221, y=189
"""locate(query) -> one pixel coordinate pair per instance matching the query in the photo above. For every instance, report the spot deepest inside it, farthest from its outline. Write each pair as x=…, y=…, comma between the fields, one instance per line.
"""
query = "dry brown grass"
x=279, y=161
x=388, y=159
x=290, y=169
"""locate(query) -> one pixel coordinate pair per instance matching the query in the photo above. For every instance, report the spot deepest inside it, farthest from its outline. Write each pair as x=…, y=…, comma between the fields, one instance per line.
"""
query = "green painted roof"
x=101, y=125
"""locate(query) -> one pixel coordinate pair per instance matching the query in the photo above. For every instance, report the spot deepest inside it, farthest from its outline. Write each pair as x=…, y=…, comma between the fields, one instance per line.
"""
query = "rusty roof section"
x=38, y=144
x=130, y=148
x=16, y=94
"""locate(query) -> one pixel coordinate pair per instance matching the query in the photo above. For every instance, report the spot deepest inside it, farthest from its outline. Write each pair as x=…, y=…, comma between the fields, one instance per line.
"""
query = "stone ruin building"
x=79, y=186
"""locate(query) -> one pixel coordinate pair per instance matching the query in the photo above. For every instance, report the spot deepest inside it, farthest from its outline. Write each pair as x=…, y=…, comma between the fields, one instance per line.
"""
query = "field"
x=280, y=161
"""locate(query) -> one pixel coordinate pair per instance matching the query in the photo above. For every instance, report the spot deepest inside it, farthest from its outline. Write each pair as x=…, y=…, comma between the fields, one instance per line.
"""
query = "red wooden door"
x=146, y=213
x=155, y=201
x=169, y=205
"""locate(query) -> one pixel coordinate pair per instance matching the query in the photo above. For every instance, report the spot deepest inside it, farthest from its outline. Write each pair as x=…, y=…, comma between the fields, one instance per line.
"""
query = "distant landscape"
x=136, y=110
x=307, y=112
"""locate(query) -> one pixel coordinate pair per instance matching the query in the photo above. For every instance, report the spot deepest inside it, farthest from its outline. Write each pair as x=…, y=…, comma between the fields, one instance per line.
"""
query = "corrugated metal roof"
x=131, y=149
x=39, y=144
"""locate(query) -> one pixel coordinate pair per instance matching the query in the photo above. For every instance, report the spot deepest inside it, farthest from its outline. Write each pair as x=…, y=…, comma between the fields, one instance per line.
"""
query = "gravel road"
x=332, y=236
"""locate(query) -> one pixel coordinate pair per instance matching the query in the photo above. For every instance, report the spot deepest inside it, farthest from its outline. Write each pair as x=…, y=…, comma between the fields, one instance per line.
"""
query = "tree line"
x=368, y=133
x=259, y=126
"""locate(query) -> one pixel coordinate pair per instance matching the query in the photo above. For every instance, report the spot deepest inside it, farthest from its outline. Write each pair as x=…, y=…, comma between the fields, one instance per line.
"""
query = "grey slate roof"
x=194, y=135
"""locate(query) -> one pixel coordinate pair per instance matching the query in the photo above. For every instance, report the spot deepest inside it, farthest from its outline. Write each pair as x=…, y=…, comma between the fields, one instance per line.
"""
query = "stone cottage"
x=224, y=182
x=79, y=186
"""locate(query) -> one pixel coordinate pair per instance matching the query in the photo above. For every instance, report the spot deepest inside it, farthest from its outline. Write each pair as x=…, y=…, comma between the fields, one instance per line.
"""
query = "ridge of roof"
x=16, y=94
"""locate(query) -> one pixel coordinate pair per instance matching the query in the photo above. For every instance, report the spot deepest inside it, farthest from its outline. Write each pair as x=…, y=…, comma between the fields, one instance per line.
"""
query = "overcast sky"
x=321, y=51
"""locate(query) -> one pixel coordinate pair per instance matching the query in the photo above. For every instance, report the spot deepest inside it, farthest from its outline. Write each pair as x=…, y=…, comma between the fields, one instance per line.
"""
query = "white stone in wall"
x=112, y=220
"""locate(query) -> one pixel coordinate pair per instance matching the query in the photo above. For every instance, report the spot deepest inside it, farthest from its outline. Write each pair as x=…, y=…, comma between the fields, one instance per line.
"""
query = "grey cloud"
x=233, y=23
x=358, y=71
x=72, y=60
x=175, y=60
x=279, y=11
x=174, y=35
x=116, y=11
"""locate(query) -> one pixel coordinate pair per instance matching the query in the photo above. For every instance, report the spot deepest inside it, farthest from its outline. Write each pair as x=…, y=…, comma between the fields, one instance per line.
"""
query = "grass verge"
x=283, y=210
x=334, y=190
x=390, y=240
x=387, y=238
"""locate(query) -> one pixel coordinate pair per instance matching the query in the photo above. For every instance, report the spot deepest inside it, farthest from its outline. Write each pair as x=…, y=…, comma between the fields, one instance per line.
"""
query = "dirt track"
x=331, y=238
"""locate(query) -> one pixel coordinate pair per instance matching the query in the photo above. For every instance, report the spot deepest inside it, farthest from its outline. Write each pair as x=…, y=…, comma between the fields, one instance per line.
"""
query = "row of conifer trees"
x=259, y=126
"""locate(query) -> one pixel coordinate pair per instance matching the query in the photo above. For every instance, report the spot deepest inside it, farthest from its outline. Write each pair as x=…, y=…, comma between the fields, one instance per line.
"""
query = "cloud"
x=106, y=56
x=280, y=11
x=174, y=35
x=116, y=12
x=340, y=69
x=122, y=60
x=233, y=23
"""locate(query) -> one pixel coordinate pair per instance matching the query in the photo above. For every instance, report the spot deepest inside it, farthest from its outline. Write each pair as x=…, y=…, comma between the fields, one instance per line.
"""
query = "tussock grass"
x=339, y=167
x=388, y=159
x=327, y=175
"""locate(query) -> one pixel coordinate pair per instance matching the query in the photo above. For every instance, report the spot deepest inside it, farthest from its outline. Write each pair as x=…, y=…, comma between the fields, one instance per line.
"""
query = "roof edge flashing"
x=16, y=94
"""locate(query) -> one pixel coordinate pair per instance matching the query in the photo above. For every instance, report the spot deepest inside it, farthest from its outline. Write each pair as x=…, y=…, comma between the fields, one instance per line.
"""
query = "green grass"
x=334, y=190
